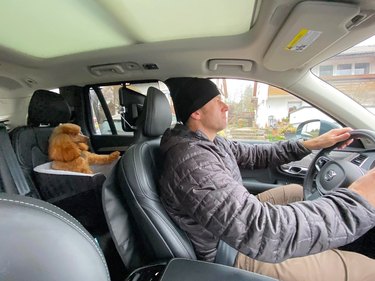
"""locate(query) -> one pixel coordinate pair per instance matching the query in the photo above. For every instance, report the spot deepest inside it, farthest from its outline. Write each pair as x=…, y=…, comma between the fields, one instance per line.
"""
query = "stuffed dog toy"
x=68, y=150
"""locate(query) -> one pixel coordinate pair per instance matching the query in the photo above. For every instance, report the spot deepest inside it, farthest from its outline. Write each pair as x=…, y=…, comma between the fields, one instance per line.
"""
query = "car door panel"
x=260, y=180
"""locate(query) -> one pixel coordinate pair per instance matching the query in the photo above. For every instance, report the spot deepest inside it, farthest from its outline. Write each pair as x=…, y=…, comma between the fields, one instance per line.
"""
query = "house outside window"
x=361, y=68
x=354, y=73
x=326, y=70
x=344, y=69
x=294, y=105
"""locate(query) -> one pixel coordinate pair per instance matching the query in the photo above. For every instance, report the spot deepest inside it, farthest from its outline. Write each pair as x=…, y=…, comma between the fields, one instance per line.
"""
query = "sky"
x=368, y=42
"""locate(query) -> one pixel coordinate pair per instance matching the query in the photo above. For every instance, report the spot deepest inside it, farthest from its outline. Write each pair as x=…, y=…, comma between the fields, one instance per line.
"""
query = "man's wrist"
x=309, y=144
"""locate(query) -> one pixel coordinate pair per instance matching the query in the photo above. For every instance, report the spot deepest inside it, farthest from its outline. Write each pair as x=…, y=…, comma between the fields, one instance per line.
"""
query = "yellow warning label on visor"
x=302, y=40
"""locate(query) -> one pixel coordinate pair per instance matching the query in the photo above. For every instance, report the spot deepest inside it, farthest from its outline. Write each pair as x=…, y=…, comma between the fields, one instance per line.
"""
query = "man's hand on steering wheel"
x=329, y=139
x=326, y=174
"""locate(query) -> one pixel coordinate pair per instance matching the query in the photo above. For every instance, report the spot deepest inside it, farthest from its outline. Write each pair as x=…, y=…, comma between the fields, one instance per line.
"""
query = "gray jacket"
x=202, y=191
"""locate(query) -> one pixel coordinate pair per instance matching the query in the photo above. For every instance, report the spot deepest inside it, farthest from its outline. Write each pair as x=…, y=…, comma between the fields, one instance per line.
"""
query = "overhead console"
x=306, y=33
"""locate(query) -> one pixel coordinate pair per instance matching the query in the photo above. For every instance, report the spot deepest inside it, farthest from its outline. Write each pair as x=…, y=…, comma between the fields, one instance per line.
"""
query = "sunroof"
x=53, y=28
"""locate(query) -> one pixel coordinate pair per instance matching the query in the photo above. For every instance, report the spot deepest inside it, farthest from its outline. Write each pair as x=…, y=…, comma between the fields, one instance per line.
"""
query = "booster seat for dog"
x=76, y=193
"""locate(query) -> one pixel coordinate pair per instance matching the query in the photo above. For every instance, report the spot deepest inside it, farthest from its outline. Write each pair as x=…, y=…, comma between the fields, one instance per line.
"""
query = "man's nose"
x=225, y=107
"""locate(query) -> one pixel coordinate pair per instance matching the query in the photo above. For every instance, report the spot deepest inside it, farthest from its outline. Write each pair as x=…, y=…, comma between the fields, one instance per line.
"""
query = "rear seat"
x=46, y=110
x=30, y=143
x=79, y=195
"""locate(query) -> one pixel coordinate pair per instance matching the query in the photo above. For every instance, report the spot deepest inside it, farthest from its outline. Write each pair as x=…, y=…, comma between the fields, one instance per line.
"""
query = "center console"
x=179, y=269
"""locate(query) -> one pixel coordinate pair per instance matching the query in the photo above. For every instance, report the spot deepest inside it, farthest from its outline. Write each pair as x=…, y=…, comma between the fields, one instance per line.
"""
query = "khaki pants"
x=331, y=265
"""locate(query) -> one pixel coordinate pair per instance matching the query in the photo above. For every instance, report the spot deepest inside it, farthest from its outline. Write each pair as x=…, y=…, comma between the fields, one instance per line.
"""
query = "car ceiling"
x=257, y=54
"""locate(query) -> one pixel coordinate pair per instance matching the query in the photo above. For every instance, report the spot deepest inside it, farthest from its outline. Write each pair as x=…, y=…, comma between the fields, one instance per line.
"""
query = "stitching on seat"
x=71, y=223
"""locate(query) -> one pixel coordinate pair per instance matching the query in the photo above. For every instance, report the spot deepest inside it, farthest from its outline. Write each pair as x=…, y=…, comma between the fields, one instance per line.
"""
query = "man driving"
x=276, y=233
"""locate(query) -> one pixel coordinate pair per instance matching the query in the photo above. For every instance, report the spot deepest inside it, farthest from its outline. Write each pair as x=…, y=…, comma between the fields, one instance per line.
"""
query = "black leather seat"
x=46, y=111
x=134, y=212
x=42, y=242
x=30, y=143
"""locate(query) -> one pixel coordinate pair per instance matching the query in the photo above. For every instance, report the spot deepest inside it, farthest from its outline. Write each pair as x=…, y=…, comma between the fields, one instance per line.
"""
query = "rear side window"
x=99, y=120
x=121, y=102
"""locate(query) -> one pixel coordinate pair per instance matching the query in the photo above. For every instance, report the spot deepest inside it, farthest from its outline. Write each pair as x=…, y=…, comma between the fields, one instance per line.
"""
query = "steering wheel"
x=330, y=174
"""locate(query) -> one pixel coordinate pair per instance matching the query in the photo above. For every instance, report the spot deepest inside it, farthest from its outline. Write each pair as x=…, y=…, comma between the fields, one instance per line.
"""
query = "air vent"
x=359, y=160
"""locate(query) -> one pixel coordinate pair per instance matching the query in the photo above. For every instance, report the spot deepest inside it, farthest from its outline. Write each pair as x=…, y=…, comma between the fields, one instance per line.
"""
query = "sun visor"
x=306, y=33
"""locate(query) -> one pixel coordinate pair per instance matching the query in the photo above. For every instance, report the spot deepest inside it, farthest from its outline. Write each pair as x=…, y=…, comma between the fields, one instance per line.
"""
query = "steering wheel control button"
x=321, y=162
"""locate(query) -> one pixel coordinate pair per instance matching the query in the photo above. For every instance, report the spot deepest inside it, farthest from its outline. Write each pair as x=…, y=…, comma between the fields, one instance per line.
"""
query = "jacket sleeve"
x=270, y=233
x=262, y=155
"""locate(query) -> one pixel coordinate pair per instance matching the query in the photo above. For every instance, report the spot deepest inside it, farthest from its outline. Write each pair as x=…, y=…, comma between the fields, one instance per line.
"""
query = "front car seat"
x=137, y=173
x=139, y=170
x=131, y=198
x=42, y=242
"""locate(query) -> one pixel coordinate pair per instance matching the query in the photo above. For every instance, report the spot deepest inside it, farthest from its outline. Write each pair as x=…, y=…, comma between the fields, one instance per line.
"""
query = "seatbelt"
x=18, y=183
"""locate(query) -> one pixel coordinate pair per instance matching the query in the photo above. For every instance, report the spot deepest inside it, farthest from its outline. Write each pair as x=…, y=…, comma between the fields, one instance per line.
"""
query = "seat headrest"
x=42, y=242
x=156, y=115
x=48, y=108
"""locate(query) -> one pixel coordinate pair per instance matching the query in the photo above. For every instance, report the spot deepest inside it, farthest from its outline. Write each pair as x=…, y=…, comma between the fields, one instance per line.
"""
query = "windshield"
x=353, y=73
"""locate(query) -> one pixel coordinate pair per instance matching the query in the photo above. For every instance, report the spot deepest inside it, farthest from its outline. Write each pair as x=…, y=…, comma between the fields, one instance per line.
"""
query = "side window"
x=99, y=119
x=124, y=103
x=261, y=112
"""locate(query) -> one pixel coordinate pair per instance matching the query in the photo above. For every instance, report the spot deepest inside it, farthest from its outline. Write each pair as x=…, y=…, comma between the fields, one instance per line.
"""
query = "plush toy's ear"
x=61, y=148
x=68, y=128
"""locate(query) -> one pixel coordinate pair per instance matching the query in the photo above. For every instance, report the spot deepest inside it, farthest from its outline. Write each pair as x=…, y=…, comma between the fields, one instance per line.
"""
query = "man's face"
x=214, y=115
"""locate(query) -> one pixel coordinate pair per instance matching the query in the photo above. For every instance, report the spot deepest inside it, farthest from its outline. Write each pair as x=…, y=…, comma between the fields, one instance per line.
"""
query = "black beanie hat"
x=190, y=94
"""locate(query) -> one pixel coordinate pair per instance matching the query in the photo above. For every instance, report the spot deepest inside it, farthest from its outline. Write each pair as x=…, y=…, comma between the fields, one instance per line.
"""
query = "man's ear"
x=196, y=115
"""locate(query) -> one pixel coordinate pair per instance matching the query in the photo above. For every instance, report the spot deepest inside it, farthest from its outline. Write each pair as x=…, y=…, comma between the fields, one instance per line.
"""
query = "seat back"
x=122, y=225
x=139, y=172
x=42, y=242
x=78, y=195
x=138, y=202
x=30, y=143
